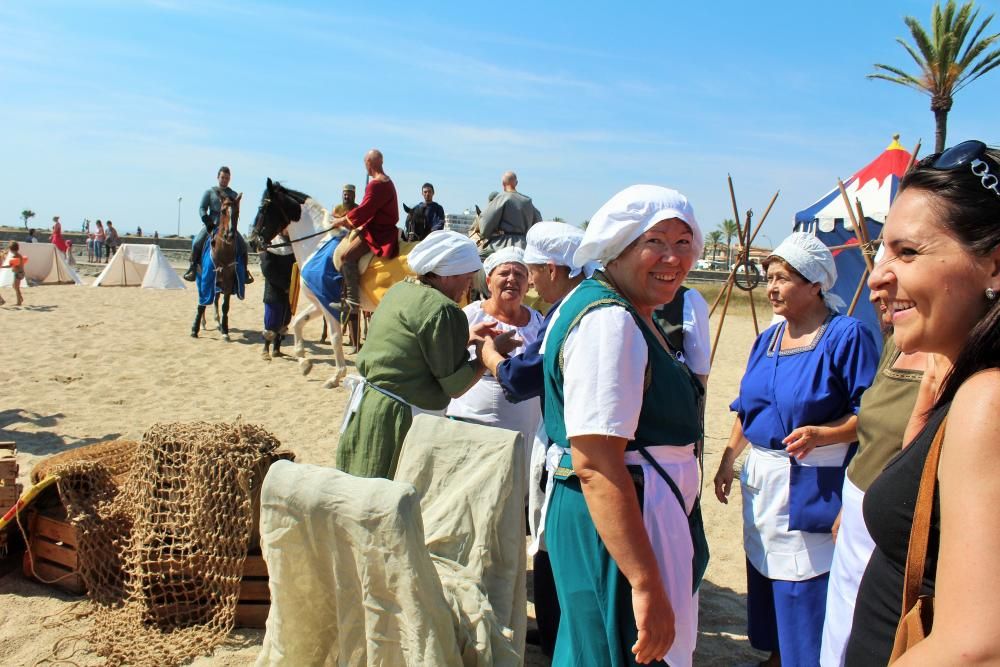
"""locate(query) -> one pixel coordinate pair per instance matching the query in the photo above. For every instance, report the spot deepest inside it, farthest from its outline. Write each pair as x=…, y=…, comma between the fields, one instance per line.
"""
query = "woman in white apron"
x=485, y=403
x=797, y=407
x=622, y=415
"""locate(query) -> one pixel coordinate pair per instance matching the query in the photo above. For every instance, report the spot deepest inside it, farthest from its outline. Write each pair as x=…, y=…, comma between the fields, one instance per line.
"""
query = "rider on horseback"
x=372, y=227
x=211, y=206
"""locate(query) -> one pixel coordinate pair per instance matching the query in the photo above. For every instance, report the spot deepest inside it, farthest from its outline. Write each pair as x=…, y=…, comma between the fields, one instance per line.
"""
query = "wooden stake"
x=722, y=319
x=857, y=292
x=913, y=156
x=732, y=272
x=746, y=273
x=854, y=221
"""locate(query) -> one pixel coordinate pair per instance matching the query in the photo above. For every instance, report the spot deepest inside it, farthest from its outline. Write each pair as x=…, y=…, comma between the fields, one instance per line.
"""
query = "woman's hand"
x=802, y=440
x=479, y=332
x=654, y=619
x=506, y=342
x=724, y=478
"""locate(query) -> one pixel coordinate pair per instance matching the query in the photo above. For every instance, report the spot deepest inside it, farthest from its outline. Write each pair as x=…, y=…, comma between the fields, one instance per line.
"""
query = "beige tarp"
x=427, y=569
x=46, y=266
x=139, y=265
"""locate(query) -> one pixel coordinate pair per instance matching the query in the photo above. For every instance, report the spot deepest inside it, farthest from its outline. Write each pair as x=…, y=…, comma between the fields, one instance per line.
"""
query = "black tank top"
x=888, y=510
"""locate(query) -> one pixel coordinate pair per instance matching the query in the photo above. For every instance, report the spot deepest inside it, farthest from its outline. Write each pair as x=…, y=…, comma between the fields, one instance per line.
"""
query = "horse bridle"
x=267, y=202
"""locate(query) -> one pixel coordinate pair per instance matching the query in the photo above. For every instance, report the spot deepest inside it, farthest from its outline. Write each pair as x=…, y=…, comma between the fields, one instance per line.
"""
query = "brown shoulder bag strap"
x=916, y=555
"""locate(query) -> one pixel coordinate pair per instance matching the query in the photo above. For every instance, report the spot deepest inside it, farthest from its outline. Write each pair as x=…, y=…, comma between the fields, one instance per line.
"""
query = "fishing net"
x=164, y=527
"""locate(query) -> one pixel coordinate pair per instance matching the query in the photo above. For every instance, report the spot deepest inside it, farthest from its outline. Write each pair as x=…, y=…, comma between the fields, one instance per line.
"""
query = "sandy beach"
x=83, y=365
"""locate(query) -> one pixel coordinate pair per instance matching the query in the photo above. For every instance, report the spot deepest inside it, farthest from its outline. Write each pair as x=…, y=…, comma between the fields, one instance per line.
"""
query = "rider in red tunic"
x=374, y=226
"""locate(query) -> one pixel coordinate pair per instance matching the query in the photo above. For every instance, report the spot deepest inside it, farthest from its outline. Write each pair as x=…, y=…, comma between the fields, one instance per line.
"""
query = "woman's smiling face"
x=651, y=269
x=932, y=286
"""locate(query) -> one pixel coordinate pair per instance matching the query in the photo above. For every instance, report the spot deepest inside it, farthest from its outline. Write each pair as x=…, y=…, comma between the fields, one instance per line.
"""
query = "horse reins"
x=267, y=202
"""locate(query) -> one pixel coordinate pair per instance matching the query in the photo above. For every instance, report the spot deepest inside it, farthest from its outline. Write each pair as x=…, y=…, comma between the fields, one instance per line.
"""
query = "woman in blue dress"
x=797, y=408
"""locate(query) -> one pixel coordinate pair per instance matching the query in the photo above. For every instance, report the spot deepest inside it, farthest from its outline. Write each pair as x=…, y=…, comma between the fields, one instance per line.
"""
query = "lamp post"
x=179, y=198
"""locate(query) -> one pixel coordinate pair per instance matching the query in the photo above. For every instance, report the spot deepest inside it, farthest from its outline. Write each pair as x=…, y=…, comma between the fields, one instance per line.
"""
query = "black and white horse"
x=306, y=220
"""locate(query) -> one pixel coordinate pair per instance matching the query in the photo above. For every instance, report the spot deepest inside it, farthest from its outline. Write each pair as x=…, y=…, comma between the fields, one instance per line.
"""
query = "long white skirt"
x=850, y=558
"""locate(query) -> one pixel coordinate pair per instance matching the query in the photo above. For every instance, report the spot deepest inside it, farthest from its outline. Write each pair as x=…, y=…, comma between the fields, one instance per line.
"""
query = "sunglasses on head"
x=970, y=153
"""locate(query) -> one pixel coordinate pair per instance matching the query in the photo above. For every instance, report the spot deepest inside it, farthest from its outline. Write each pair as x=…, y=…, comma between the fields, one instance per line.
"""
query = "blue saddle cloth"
x=322, y=279
x=206, y=277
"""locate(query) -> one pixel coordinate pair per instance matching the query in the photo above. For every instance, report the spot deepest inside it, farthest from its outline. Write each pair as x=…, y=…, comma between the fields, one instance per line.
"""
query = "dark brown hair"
x=970, y=213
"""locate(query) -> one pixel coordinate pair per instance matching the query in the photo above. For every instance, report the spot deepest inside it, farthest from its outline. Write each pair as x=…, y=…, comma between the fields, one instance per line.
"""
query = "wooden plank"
x=254, y=566
x=8, y=468
x=254, y=589
x=43, y=549
x=249, y=615
x=54, y=529
x=53, y=574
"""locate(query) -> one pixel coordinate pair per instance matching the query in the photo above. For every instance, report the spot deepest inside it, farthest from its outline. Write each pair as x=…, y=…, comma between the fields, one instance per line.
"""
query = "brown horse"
x=224, y=259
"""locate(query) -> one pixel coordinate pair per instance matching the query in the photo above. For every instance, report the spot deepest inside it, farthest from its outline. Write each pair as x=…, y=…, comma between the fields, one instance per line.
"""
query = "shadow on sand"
x=41, y=442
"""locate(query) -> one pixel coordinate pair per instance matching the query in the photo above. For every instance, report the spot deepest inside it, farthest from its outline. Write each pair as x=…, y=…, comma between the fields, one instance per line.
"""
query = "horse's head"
x=229, y=214
x=416, y=220
x=278, y=208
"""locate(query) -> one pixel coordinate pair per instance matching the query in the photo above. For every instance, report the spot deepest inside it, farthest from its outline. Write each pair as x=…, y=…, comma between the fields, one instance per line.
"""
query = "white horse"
x=306, y=220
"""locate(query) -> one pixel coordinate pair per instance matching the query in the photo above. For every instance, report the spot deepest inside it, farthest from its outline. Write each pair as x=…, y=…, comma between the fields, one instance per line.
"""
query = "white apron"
x=665, y=521
x=850, y=558
x=774, y=550
x=356, y=385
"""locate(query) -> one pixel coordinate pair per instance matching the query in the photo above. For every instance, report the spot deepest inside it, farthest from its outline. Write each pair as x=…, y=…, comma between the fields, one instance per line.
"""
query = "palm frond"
x=975, y=39
x=991, y=62
x=920, y=38
x=976, y=49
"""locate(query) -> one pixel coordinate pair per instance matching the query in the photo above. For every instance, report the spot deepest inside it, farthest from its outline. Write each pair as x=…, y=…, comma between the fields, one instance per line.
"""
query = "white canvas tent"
x=45, y=266
x=139, y=265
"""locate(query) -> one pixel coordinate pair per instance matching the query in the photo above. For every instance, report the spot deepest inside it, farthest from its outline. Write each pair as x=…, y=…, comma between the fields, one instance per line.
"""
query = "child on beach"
x=15, y=261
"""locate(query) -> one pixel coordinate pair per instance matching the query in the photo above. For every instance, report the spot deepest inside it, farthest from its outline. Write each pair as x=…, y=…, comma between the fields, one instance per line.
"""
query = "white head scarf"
x=444, y=253
x=504, y=256
x=809, y=256
x=630, y=213
x=555, y=242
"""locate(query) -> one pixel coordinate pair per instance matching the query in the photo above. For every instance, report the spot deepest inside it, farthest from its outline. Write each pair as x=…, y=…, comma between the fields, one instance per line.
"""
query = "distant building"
x=459, y=222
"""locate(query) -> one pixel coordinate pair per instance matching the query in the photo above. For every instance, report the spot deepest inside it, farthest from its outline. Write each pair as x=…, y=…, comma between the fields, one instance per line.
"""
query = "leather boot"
x=192, y=273
x=352, y=285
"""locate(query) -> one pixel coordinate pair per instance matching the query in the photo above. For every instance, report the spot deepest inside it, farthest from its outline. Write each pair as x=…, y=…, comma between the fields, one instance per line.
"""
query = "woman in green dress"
x=416, y=356
x=622, y=417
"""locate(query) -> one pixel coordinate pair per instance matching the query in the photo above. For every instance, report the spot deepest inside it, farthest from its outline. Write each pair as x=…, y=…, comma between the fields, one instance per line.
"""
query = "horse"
x=416, y=223
x=306, y=220
x=221, y=277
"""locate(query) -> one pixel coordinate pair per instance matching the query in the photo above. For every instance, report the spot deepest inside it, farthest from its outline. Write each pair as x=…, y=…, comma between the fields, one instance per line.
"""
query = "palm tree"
x=26, y=215
x=729, y=229
x=714, y=238
x=945, y=67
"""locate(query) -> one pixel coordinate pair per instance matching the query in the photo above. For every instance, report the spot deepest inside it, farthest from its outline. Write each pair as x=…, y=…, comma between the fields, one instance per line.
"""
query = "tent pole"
x=854, y=221
x=732, y=272
x=857, y=292
x=746, y=273
x=913, y=157
x=722, y=319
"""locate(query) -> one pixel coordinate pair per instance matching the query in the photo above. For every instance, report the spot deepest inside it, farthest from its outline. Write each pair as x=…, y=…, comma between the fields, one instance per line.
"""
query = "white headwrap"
x=503, y=256
x=630, y=213
x=809, y=256
x=555, y=242
x=444, y=253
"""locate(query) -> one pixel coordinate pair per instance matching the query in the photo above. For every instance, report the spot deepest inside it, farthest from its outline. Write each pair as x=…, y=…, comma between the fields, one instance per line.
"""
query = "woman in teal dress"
x=622, y=418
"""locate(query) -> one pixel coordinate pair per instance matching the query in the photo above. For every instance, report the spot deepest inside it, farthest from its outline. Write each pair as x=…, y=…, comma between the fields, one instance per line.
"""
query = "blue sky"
x=114, y=109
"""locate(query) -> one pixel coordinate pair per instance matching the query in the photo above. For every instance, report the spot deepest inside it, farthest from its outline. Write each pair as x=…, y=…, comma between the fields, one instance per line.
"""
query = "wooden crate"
x=52, y=547
x=9, y=494
x=51, y=554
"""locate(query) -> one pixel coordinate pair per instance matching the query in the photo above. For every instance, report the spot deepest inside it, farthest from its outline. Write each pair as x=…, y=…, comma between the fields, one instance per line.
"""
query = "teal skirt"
x=597, y=626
